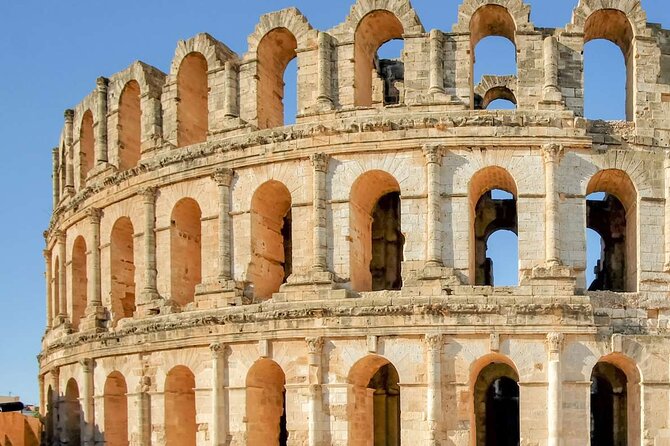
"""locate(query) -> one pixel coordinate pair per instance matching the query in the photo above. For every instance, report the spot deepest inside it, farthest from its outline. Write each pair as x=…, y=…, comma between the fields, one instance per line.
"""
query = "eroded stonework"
x=218, y=278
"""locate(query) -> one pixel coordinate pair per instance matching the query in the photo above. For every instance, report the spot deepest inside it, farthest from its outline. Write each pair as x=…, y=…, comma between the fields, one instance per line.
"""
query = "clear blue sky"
x=54, y=50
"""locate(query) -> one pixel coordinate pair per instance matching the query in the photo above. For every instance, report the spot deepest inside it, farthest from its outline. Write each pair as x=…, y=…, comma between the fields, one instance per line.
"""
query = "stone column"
x=55, y=182
x=436, y=62
x=554, y=342
x=320, y=237
x=62, y=289
x=101, y=129
x=55, y=404
x=224, y=178
x=433, y=156
x=219, y=427
x=142, y=425
x=94, y=215
x=87, y=403
x=551, y=154
x=230, y=89
x=324, y=98
x=433, y=344
x=315, y=349
x=69, y=149
x=150, y=292
x=666, y=165
x=49, y=293
x=551, y=92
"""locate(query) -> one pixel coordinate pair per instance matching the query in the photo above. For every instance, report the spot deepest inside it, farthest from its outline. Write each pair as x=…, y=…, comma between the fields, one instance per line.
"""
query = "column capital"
x=217, y=349
x=319, y=161
x=87, y=365
x=59, y=235
x=102, y=83
x=47, y=254
x=432, y=153
x=55, y=374
x=223, y=176
x=552, y=152
x=148, y=193
x=94, y=214
x=314, y=344
x=69, y=115
x=554, y=342
x=434, y=341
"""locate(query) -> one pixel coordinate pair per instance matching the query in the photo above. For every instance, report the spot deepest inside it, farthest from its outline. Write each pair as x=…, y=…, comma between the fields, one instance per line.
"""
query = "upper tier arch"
x=402, y=9
x=632, y=9
x=291, y=19
x=517, y=9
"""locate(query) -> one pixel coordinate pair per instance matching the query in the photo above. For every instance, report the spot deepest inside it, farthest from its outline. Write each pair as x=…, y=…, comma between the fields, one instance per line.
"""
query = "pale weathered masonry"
x=215, y=277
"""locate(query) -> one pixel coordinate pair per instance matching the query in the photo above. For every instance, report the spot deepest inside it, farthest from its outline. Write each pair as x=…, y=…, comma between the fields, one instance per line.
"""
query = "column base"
x=61, y=326
x=433, y=279
x=219, y=293
x=314, y=285
x=95, y=319
x=552, y=278
x=153, y=304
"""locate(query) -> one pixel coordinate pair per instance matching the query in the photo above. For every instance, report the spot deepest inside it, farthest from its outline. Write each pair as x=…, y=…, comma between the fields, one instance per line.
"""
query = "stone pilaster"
x=666, y=221
x=325, y=98
x=95, y=313
x=55, y=180
x=315, y=379
x=433, y=344
x=62, y=318
x=141, y=428
x=101, y=128
x=231, y=104
x=320, y=241
x=436, y=73
x=551, y=94
x=149, y=301
x=552, y=154
x=433, y=155
x=48, y=279
x=222, y=290
x=87, y=403
x=69, y=149
x=55, y=392
x=219, y=420
x=554, y=344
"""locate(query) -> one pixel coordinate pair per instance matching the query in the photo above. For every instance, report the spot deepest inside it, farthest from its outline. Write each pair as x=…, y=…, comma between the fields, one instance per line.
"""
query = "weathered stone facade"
x=217, y=278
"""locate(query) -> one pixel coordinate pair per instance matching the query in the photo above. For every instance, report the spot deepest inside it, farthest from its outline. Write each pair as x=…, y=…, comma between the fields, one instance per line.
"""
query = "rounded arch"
x=72, y=413
x=130, y=125
x=491, y=20
x=374, y=29
x=290, y=19
x=496, y=93
x=632, y=10
x=271, y=238
x=401, y=9
x=616, y=221
x=185, y=250
x=373, y=401
x=79, y=285
x=180, y=411
x=488, y=215
x=116, y=410
x=493, y=373
x=266, y=403
x=192, y=107
x=86, y=146
x=376, y=239
x=275, y=50
x=122, y=270
x=615, y=400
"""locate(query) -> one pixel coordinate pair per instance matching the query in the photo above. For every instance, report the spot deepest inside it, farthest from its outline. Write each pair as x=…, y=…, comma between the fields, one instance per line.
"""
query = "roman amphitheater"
x=216, y=277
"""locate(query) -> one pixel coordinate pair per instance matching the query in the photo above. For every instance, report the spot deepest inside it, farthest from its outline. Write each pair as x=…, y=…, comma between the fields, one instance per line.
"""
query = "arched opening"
x=615, y=410
x=266, y=404
x=192, y=106
x=492, y=209
x=377, y=241
x=496, y=98
x=72, y=414
x=373, y=406
x=271, y=239
x=594, y=254
x=180, y=422
x=86, y=146
x=496, y=404
x=275, y=50
x=122, y=268
x=377, y=80
x=290, y=100
x=611, y=25
x=492, y=45
x=611, y=211
x=130, y=126
x=79, y=281
x=116, y=410
x=185, y=250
